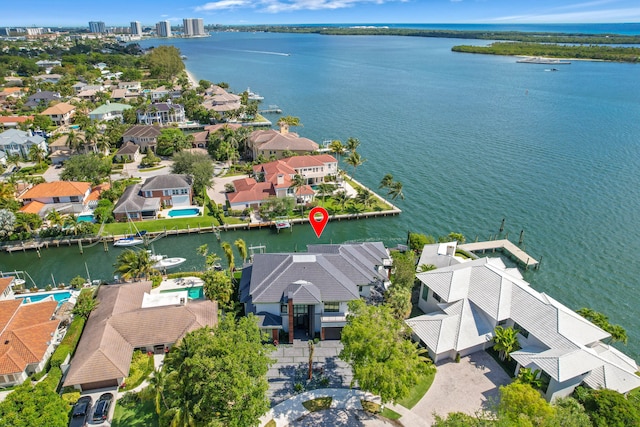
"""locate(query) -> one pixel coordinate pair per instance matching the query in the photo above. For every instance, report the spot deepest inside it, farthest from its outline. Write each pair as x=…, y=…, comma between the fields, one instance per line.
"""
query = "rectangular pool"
x=195, y=292
x=173, y=213
x=60, y=296
x=85, y=218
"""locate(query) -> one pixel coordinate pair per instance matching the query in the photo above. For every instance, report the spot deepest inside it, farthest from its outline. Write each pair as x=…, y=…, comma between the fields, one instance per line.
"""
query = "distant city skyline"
x=75, y=13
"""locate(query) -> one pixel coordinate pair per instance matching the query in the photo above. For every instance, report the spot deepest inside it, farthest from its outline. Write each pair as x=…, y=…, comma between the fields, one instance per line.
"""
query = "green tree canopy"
x=505, y=341
x=132, y=264
x=198, y=166
x=217, y=377
x=377, y=345
x=171, y=141
x=218, y=287
x=86, y=167
x=618, y=333
x=164, y=62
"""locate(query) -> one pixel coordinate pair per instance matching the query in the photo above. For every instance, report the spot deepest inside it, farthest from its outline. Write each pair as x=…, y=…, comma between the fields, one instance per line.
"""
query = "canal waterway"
x=473, y=139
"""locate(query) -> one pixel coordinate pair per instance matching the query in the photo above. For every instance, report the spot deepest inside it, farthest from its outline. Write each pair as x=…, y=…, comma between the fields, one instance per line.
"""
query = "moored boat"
x=128, y=241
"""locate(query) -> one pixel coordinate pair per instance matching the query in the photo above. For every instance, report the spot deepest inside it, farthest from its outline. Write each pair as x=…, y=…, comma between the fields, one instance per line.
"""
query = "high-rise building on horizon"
x=97, y=27
x=193, y=27
x=136, y=28
x=163, y=29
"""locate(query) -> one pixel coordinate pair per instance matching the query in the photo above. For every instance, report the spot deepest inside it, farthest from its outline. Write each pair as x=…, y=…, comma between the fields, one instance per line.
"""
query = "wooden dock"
x=503, y=245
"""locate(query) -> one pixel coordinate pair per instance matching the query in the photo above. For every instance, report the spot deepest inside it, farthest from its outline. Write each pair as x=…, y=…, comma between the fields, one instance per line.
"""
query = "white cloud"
x=608, y=15
x=223, y=5
x=275, y=6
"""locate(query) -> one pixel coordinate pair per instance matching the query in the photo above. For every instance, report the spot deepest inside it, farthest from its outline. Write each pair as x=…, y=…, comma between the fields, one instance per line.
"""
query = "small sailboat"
x=132, y=239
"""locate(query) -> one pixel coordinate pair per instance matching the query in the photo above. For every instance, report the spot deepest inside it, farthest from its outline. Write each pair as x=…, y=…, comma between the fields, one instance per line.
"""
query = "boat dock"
x=505, y=246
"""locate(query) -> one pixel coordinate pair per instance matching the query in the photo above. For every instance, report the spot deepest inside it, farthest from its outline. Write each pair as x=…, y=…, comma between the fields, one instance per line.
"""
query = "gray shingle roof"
x=162, y=182
x=131, y=201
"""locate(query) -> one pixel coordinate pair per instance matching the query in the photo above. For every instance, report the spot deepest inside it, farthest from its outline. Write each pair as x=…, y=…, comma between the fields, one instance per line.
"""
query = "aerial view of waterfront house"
x=128, y=318
x=29, y=333
x=19, y=142
x=275, y=179
x=162, y=113
x=61, y=113
x=144, y=136
x=465, y=302
x=144, y=201
x=307, y=293
x=268, y=143
x=63, y=196
x=109, y=111
x=219, y=100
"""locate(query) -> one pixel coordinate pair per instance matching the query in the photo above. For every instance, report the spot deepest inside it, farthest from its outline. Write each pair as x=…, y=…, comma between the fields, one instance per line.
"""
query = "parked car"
x=102, y=407
x=80, y=412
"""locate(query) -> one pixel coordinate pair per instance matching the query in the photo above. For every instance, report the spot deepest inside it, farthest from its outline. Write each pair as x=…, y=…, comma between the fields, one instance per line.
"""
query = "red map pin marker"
x=318, y=224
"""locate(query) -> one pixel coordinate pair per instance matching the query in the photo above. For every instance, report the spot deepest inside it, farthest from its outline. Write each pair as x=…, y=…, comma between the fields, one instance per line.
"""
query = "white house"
x=307, y=293
x=464, y=303
x=109, y=111
x=14, y=141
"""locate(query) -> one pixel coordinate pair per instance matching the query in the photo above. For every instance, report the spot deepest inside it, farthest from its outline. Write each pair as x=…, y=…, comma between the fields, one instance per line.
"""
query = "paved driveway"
x=466, y=387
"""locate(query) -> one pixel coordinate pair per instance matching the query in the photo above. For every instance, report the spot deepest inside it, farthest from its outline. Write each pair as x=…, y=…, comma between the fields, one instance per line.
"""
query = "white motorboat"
x=128, y=241
x=162, y=262
x=254, y=96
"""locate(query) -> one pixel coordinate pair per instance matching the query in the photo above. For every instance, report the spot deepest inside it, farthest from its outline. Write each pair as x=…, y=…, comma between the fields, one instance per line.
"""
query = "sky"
x=247, y=12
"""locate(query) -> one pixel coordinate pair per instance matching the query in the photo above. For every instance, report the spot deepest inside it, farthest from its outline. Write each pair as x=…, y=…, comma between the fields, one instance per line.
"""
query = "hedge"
x=69, y=342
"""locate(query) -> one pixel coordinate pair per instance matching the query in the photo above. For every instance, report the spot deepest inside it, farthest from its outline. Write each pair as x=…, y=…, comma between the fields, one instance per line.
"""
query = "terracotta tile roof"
x=305, y=191
x=32, y=207
x=97, y=190
x=250, y=193
x=8, y=90
x=15, y=119
x=57, y=189
x=4, y=283
x=26, y=336
x=274, y=140
x=119, y=324
x=61, y=108
x=220, y=126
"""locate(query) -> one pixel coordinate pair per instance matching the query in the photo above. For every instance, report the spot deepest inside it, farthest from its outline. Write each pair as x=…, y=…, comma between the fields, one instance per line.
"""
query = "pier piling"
x=502, y=225
x=521, y=237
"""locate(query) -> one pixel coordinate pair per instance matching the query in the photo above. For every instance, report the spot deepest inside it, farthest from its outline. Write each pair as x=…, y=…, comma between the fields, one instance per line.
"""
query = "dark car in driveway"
x=80, y=412
x=102, y=407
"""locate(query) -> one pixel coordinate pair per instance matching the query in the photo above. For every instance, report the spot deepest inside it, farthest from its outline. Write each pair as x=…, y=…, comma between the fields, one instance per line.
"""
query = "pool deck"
x=165, y=213
x=183, y=283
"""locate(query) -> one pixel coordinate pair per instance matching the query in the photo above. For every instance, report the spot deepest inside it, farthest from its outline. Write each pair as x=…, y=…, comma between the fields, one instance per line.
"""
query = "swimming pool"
x=195, y=292
x=59, y=296
x=74, y=127
x=85, y=218
x=183, y=212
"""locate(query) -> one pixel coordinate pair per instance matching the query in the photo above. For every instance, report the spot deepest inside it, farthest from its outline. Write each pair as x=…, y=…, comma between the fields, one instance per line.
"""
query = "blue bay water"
x=473, y=139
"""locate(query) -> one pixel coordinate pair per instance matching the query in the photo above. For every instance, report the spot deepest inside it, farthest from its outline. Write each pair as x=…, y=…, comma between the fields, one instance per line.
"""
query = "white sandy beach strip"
x=191, y=78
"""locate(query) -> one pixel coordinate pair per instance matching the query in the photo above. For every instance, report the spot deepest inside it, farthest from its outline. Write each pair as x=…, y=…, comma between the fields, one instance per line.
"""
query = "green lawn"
x=374, y=408
x=141, y=414
x=318, y=404
x=418, y=391
x=153, y=225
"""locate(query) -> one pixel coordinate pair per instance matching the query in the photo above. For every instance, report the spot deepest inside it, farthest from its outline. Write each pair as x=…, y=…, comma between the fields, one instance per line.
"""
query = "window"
x=284, y=308
x=74, y=198
x=331, y=307
x=56, y=200
x=437, y=297
x=425, y=293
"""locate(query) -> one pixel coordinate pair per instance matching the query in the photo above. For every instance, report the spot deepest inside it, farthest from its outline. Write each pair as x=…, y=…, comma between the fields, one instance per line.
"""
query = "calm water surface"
x=473, y=138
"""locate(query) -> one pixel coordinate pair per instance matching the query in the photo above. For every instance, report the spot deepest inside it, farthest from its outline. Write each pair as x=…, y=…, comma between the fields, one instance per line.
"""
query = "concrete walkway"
x=291, y=409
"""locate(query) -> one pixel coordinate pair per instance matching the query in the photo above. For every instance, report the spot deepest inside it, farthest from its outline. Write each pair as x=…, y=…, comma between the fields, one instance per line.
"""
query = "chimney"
x=284, y=128
x=280, y=179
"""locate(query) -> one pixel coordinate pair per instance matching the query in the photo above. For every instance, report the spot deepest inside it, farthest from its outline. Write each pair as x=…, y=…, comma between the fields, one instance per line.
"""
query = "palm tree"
x=365, y=197
x=386, y=181
x=210, y=259
x=297, y=182
x=395, y=190
x=324, y=189
x=73, y=141
x=7, y=191
x=71, y=223
x=228, y=253
x=342, y=198
x=13, y=159
x=353, y=144
x=354, y=160
x=337, y=148
x=132, y=264
x=505, y=341
x=55, y=218
x=103, y=144
x=91, y=136
x=241, y=246
x=36, y=153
